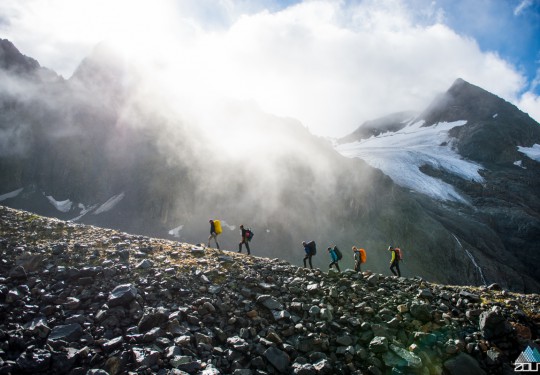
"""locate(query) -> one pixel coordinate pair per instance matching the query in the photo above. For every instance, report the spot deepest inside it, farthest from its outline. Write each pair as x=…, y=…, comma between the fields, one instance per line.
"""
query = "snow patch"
x=401, y=154
x=532, y=152
x=495, y=115
x=175, y=232
x=110, y=204
x=519, y=163
x=84, y=211
x=11, y=194
x=62, y=206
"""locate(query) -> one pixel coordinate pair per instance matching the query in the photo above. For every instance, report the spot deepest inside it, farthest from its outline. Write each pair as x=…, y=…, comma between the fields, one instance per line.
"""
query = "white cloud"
x=332, y=65
x=530, y=103
x=524, y=4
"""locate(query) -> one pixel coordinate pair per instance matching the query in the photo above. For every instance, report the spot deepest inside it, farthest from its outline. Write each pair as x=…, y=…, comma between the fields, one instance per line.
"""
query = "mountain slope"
x=469, y=151
x=81, y=299
x=115, y=153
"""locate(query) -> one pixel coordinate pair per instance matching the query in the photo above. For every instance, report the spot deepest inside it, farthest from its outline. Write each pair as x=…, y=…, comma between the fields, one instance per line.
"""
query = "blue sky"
x=511, y=28
x=330, y=64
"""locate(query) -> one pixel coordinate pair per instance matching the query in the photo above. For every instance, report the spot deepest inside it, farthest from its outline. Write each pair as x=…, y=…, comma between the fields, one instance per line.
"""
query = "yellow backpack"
x=217, y=226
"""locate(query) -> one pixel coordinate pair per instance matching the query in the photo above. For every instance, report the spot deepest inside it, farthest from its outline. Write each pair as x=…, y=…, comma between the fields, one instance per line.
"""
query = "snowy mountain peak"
x=402, y=154
x=464, y=130
x=465, y=101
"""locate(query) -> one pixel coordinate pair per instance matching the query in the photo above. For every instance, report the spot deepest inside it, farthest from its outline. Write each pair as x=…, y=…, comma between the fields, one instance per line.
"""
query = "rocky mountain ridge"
x=78, y=299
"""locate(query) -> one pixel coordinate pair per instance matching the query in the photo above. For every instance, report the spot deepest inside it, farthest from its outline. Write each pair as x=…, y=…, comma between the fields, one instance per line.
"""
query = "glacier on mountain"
x=400, y=155
x=11, y=194
x=532, y=152
x=62, y=206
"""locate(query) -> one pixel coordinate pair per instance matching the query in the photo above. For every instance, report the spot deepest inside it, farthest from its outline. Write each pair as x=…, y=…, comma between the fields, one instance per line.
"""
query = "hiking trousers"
x=247, y=246
x=334, y=263
x=214, y=236
x=395, y=264
x=358, y=266
x=308, y=257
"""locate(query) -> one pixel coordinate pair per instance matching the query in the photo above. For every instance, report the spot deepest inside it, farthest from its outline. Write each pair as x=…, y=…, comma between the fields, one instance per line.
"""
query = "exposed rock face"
x=227, y=313
x=390, y=123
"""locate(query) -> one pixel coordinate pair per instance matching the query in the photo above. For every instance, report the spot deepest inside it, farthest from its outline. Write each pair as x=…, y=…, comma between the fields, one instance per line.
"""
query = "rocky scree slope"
x=78, y=299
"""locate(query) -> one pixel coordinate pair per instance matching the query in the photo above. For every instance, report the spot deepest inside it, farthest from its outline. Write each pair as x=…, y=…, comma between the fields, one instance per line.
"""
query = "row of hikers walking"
x=359, y=255
x=310, y=248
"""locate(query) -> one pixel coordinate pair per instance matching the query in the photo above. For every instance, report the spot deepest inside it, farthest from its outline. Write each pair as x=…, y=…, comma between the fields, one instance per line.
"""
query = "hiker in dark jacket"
x=309, y=248
x=334, y=258
x=213, y=233
x=245, y=240
x=394, y=261
x=357, y=259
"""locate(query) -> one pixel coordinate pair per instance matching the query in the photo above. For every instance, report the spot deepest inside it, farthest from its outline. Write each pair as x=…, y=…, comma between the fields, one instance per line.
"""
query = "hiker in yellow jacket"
x=394, y=262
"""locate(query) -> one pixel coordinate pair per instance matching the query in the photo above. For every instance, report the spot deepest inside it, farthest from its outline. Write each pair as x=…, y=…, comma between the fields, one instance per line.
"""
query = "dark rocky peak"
x=494, y=129
x=14, y=62
x=464, y=101
x=104, y=68
x=390, y=123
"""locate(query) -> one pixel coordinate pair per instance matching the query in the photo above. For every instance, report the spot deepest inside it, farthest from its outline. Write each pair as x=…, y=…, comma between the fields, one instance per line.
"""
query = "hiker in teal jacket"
x=334, y=258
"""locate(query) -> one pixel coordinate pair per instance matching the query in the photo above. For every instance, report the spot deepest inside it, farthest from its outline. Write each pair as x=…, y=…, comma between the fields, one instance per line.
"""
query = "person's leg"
x=305, y=258
x=247, y=247
x=392, y=268
x=310, y=265
x=337, y=266
x=397, y=268
x=209, y=238
x=240, y=246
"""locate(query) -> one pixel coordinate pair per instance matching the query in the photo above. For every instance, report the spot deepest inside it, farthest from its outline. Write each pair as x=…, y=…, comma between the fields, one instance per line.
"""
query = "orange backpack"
x=362, y=255
x=399, y=253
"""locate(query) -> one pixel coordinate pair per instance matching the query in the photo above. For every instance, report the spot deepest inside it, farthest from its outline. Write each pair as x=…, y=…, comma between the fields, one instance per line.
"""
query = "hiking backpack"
x=363, y=255
x=313, y=247
x=217, y=227
x=249, y=234
x=399, y=253
x=338, y=253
